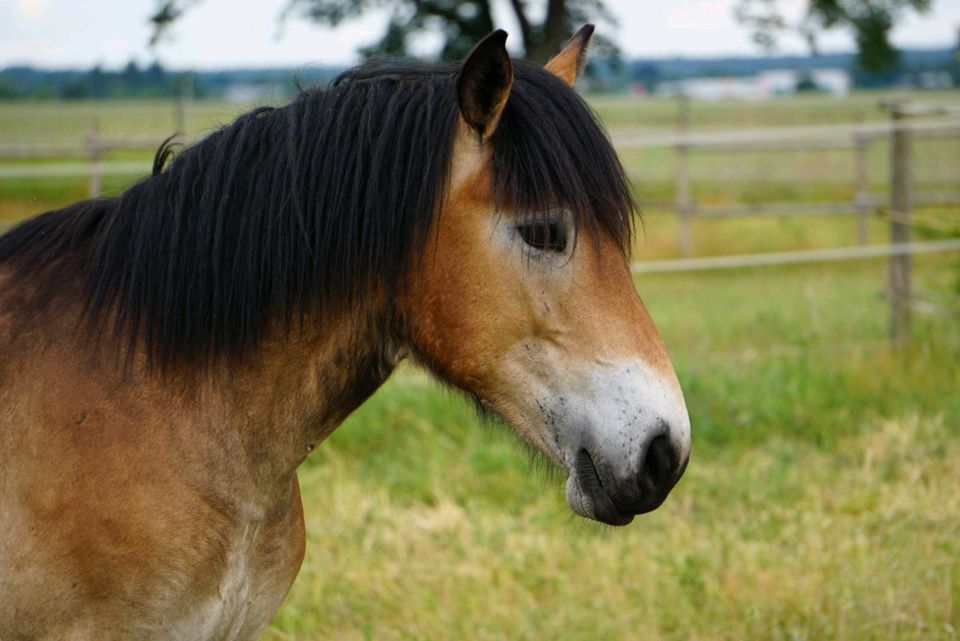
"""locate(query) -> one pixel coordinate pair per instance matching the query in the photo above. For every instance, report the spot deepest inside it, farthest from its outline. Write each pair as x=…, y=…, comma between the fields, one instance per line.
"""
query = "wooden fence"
x=857, y=137
x=91, y=151
x=902, y=128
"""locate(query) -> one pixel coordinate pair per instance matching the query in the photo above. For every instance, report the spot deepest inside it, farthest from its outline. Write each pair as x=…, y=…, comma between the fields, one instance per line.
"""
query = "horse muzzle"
x=596, y=490
x=625, y=442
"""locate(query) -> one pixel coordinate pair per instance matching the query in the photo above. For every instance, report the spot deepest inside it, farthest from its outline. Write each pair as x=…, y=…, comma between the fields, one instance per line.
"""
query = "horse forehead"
x=470, y=161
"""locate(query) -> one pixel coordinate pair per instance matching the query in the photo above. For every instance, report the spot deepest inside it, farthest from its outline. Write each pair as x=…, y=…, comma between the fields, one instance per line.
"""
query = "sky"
x=232, y=33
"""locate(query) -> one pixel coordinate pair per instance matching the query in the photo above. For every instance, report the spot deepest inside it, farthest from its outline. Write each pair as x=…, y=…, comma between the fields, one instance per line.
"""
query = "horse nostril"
x=659, y=467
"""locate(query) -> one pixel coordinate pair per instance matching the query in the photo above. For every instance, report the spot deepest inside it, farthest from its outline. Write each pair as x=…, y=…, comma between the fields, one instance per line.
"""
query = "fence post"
x=861, y=145
x=185, y=92
x=95, y=149
x=179, y=115
x=682, y=193
x=900, y=206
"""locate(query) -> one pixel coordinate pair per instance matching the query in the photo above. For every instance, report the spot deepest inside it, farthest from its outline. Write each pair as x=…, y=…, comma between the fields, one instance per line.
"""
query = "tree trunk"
x=555, y=31
x=526, y=31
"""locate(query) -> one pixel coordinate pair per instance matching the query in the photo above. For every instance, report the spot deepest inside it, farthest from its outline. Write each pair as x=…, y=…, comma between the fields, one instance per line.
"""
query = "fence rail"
x=785, y=138
x=52, y=170
x=94, y=144
x=766, y=259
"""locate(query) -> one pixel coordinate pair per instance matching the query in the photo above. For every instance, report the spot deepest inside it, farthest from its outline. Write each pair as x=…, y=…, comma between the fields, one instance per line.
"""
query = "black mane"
x=304, y=207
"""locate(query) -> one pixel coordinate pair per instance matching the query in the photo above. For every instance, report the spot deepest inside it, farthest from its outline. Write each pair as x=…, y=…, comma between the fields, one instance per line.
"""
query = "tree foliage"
x=871, y=22
x=133, y=81
x=461, y=24
x=546, y=24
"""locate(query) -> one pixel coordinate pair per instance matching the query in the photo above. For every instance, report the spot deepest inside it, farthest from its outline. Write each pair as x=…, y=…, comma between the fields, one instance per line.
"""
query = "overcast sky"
x=235, y=33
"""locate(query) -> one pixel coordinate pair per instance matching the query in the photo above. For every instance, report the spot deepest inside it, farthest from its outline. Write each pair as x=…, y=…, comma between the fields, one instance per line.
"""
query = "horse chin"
x=593, y=505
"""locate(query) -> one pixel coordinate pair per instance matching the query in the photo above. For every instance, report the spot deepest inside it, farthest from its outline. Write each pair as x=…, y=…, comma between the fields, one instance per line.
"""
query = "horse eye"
x=544, y=235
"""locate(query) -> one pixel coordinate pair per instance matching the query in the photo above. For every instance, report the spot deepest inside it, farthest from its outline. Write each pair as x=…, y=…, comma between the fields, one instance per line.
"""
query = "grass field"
x=823, y=497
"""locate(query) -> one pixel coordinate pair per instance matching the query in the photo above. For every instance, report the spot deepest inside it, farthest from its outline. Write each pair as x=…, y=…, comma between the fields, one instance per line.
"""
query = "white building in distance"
x=764, y=85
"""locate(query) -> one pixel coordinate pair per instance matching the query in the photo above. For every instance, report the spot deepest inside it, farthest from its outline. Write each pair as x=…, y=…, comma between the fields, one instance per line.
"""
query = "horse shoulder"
x=108, y=511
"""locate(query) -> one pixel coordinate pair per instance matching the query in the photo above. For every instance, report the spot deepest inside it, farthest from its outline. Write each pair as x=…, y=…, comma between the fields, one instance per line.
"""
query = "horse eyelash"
x=548, y=235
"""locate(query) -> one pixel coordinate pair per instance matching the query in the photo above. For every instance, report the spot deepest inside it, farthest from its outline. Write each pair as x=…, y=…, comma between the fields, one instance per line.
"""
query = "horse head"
x=524, y=296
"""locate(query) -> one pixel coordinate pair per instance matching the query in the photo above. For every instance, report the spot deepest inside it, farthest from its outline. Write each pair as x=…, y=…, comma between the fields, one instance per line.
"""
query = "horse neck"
x=296, y=388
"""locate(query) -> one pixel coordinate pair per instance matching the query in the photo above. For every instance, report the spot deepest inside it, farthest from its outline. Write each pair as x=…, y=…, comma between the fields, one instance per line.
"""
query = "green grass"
x=783, y=541
x=822, y=498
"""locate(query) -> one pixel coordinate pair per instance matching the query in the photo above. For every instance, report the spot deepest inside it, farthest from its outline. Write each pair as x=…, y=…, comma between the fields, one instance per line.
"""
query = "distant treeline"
x=913, y=62
x=153, y=81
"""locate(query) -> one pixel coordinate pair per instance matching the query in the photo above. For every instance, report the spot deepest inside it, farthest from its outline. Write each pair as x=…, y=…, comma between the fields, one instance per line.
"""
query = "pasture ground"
x=823, y=497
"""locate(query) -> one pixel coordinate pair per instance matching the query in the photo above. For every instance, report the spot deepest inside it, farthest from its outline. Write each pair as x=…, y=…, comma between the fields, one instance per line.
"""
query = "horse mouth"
x=586, y=495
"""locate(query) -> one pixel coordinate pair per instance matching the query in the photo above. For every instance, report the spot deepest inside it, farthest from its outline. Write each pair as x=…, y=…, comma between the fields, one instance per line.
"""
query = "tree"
x=131, y=79
x=870, y=21
x=462, y=24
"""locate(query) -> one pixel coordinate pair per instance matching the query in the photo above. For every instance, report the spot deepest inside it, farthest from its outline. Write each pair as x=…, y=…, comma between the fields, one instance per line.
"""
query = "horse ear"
x=569, y=63
x=484, y=82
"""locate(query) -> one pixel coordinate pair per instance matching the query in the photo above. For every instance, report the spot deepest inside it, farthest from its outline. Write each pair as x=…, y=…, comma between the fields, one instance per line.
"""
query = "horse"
x=169, y=356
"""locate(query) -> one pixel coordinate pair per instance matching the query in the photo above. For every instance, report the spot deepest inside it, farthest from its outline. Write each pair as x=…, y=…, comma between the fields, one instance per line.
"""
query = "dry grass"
x=780, y=542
